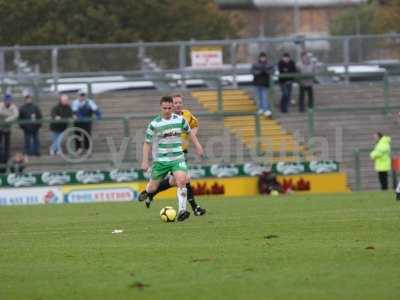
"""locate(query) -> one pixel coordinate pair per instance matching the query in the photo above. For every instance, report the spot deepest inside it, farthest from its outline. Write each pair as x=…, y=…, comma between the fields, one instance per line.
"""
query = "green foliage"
x=343, y=246
x=373, y=17
x=353, y=21
x=28, y=22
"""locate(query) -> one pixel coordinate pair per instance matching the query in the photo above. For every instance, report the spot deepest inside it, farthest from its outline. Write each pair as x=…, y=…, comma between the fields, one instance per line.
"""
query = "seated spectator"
x=17, y=164
x=83, y=109
x=286, y=67
x=62, y=111
x=306, y=67
x=8, y=114
x=29, y=111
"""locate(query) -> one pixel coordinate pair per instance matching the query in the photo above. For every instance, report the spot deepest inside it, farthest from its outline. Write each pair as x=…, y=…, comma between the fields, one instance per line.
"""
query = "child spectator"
x=17, y=164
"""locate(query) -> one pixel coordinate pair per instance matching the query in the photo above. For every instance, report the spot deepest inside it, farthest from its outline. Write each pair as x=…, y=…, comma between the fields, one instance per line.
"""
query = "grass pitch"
x=299, y=247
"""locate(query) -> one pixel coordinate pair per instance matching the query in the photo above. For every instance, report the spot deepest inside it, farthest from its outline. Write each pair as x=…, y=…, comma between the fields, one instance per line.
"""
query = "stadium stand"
x=344, y=108
x=274, y=137
x=116, y=105
x=349, y=116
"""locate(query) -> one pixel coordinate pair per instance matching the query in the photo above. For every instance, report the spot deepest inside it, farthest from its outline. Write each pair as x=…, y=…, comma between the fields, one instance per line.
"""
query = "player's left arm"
x=196, y=143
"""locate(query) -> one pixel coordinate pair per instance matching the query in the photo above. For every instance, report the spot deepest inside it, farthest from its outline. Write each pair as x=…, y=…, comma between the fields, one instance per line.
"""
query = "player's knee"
x=152, y=186
x=181, y=180
x=172, y=181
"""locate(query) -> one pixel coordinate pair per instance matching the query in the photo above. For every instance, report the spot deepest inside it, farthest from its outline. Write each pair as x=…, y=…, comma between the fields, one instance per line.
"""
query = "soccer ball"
x=168, y=214
x=274, y=193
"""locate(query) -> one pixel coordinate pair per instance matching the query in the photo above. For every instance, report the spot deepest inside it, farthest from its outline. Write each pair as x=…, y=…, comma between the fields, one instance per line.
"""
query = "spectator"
x=286, y=66
x=61, y=111
x=382, y=159
x=8, y=114
x=307, y=68
x=262, y=72
x=17, y=164
x=83, y=109
x=30, y=112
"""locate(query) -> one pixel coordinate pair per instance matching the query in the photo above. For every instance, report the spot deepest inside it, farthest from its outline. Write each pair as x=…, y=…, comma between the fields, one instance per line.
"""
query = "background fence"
x=144, y=58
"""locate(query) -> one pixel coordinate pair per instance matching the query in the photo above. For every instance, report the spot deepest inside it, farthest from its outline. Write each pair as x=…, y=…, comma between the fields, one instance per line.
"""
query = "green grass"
x=298, y=247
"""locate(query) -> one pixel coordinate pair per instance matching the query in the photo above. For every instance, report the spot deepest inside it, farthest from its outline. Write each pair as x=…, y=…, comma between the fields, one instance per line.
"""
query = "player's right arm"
x=147, y=147
x=194, y=124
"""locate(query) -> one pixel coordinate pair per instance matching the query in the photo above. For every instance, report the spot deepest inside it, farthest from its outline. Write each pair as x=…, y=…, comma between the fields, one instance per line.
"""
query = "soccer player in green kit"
x=164, y=135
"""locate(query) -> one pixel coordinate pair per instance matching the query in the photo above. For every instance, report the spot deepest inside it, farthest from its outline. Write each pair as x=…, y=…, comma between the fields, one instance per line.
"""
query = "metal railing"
x=357, y=152
x=385, y=108
x=58, y=61
x=130, y=156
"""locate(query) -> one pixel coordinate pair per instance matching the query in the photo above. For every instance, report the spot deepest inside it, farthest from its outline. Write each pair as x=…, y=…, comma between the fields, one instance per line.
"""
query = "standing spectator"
x=286, y=66
x=8, y=114
x=262, y=72
x=61, y=111
x=381, y=157
x=17, y=164
x=29, y=111
x=83, y=109
x=307, y=68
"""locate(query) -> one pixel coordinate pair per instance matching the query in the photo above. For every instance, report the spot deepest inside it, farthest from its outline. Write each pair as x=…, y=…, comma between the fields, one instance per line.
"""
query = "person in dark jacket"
x=84, y=109
x=29, y=111
x=17, y=164
x=261, y=80
x=286, y=67
x=61, y=111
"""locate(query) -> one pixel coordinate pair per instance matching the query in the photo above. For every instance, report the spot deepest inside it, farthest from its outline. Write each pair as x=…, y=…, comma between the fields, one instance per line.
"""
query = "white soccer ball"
x=168, y=214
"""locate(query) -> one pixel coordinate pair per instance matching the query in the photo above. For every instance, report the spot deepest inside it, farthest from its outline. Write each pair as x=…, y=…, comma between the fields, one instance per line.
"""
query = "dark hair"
x=379, y=134
x=286, y=54
x=262, y=54
x=166, y=99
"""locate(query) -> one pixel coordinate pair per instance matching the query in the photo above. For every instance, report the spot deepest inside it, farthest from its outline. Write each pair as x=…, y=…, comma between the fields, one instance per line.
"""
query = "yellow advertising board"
x=248, y=186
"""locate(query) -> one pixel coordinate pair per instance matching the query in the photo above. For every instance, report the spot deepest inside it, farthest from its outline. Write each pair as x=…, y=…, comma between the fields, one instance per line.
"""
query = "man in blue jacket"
x=84, y=109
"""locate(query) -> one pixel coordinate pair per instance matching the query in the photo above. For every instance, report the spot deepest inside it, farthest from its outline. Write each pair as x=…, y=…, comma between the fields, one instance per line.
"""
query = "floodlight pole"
x=296, y=17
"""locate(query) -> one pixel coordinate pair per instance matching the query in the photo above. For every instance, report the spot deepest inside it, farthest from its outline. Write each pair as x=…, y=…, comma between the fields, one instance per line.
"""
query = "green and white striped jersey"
x=165, y=137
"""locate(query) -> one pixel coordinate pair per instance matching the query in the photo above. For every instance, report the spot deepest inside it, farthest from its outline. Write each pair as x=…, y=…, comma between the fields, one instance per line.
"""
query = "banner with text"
x=131, y=175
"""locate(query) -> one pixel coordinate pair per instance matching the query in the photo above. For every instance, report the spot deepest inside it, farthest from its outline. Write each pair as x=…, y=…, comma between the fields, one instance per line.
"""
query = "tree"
x=30, y=22
x=380, y=16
